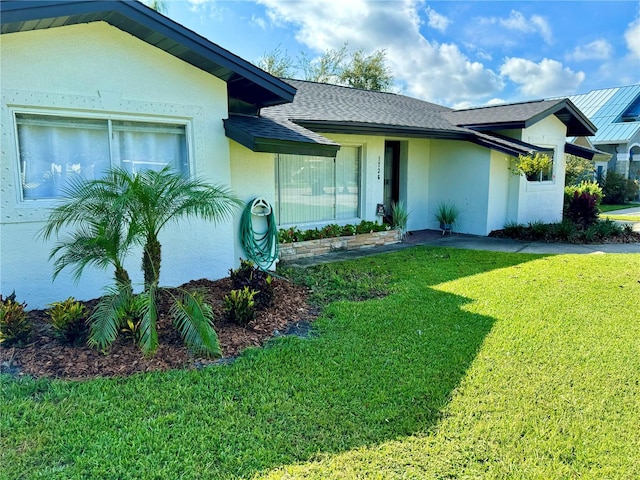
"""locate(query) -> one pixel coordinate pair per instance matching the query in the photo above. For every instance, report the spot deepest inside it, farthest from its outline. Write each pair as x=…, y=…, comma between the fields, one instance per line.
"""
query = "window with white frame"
x=318, y=189
x=52, y=149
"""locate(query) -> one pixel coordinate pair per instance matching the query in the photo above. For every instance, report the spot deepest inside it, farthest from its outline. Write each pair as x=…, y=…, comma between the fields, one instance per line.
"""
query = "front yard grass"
x=477, y=364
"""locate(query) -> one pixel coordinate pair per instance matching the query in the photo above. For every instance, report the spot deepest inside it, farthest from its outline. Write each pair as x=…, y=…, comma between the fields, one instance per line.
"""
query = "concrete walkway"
x=473, y=242
x=629, y=212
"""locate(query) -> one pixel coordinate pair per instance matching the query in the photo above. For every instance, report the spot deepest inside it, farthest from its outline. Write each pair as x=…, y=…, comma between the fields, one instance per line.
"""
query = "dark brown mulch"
x=45, y=356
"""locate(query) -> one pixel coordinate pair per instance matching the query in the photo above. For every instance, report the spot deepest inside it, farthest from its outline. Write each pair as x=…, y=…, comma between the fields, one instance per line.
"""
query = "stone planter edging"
x=313, y=248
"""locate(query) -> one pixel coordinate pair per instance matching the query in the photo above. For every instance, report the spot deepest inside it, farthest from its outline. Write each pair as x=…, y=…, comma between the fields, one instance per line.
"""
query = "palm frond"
x=194, y=320
x=105, y=320
x=149, y=321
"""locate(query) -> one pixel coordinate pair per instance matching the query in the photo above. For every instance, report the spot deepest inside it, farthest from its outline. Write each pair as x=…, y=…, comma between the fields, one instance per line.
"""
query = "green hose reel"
x=261, y=247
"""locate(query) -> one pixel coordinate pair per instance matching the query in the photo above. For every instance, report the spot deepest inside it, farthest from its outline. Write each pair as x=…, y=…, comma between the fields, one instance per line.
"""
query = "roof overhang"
x=506, y=145
x=585, y=152
x=260, y=134
x=359, y=128
x=246, y=83
x=576, y=122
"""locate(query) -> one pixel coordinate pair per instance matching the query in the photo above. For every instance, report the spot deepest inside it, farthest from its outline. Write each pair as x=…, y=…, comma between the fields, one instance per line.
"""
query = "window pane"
x=318, y=189
x=347, y=182
x=305, y=189
x=149, y=146
x=53, y=149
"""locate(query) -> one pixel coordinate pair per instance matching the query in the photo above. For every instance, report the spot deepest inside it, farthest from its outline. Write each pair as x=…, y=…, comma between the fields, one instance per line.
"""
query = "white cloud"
x=259, y=21
x=516, y=21
x=545, y=79
x=632, y=37
x=436, y=20
x=599, y=49
x=437, y=72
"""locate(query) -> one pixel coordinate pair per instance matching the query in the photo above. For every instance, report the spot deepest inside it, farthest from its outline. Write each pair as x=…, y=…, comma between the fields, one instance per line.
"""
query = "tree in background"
x=335, y=66
x=578, y=169
x=157, y=5
x=369, y=72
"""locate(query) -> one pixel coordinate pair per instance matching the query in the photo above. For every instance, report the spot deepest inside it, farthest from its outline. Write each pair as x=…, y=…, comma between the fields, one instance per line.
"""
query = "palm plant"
x=102, y=237
x=157, y=198
x=114, y=213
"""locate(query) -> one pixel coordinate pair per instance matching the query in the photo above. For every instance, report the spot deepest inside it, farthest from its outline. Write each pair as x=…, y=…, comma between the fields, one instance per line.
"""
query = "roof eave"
x=273, y=145
x=143, y=22
x=357, y=128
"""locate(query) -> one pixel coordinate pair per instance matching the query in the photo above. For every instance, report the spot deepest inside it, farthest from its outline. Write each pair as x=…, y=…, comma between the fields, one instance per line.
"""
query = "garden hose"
x=261, y=247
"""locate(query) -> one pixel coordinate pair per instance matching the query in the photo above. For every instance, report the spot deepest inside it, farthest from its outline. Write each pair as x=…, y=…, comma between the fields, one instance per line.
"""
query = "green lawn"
x=608, y=208
x=477, y=364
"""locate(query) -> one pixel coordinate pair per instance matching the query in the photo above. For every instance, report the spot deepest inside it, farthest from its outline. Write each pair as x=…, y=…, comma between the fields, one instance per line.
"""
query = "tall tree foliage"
x=335, y=66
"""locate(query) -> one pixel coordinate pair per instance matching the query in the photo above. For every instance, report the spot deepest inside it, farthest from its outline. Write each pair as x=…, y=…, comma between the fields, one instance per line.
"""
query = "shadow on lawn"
x=377, y=370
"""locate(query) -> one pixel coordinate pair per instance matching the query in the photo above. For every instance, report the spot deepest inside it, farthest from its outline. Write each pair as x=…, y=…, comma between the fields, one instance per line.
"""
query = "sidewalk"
x=473, y=242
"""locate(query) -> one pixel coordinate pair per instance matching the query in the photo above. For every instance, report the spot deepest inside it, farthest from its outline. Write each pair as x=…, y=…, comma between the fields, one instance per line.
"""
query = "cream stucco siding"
x=499, y=182
x=459, y=173
x=96, y=70
x=542, y=201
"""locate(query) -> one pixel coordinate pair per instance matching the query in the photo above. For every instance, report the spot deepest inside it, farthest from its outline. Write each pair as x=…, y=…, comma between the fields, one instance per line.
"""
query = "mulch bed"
x=45, y=356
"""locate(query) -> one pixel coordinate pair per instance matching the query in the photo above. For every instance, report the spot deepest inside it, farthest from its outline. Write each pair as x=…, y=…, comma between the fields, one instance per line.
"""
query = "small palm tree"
x=102, y=237
x=157, y=198
x=123, y=209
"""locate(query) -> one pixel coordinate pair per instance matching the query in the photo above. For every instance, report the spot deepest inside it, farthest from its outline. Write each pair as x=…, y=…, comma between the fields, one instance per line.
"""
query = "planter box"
x=313, y=248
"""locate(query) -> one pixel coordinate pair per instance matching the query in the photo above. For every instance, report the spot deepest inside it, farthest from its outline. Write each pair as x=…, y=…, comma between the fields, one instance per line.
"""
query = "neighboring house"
x=89, y=84
x=616, y=114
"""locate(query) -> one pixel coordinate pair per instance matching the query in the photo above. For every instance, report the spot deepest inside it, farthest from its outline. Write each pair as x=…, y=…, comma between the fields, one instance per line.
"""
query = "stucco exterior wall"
x=459, y=173
x=542, y=201
x=98, y=70
x=498, y=209
x=252, y=176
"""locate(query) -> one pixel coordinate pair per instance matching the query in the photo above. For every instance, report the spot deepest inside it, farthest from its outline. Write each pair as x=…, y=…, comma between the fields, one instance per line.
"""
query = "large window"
x=53, y=149
x=318, y=189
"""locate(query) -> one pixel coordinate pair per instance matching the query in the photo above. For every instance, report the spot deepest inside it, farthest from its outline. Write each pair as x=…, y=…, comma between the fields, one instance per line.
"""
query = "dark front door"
x=391, y=175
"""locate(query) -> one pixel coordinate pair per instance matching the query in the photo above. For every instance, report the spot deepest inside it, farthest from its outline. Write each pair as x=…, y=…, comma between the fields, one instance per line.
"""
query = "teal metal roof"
x=606, y=108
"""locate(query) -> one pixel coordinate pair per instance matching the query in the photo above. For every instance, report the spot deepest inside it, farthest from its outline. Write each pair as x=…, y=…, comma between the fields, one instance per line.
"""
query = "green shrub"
x=582, y=208
x=289, y=235
x=633, y=188
x=514, y=229
x=539, y=230
x=293, y=234
x=247, y=275
x=15, y=327
x=588, y=186
x=68, y=320
x=239, y=306
x=366, y=226
x=615, y=188
x=331, y=231
x=602, y=230
x=348, y=230
x=565, y=231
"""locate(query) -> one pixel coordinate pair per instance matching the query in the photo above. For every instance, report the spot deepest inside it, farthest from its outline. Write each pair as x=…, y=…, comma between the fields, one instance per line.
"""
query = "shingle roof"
x=277, y=135
x=605, y=108
x=523, y=115
x=351, y=110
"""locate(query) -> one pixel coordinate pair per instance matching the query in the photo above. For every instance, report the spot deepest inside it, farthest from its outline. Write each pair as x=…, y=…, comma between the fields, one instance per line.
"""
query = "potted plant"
x=532, y=166
x=447, y=215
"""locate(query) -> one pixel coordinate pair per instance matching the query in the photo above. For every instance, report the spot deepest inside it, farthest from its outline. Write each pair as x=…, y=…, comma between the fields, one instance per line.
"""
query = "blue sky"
x=449, y=52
